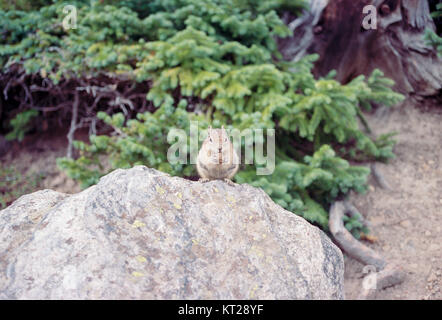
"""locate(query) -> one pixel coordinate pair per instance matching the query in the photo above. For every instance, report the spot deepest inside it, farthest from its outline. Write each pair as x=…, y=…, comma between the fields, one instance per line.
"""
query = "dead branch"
x=73, y=125
x=379, y=177
x=99, y=93
x=348, y=243
x=385, y=274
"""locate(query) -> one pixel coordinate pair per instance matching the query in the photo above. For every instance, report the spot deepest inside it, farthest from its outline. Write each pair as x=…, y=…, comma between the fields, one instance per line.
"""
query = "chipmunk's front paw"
x=229, y=182
x=203, y=180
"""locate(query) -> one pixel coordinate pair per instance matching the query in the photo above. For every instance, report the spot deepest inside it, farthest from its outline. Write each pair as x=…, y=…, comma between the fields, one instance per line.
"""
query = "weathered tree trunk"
x=334, y=30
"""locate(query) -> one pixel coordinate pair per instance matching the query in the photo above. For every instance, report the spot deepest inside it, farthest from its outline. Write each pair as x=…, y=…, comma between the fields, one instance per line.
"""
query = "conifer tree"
x=215, y=62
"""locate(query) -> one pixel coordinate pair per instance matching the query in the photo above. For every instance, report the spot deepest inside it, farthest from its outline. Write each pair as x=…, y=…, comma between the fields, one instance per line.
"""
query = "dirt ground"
x=38, y=154
x=407, y=220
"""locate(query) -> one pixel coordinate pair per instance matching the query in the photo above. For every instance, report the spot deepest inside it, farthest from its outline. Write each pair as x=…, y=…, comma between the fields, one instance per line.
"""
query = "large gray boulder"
x=141, y=234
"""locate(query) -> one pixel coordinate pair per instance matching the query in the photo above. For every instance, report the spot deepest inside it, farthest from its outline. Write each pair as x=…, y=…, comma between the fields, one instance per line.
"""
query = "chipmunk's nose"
x=219, y=149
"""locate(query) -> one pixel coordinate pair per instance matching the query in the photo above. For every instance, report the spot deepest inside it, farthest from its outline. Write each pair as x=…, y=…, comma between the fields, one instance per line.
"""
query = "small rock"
x=414, y=266
x=57, y=181
x=431, y=278
x=410, y=245
x=405, y=224
x=371, y=188
x=427, y=233
x=377, y=221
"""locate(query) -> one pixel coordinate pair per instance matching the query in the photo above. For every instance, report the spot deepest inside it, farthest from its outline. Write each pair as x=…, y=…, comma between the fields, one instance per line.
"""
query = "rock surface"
x=141, y=234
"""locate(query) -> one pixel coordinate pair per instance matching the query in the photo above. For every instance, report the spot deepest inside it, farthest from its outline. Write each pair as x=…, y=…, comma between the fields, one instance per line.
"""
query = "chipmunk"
x=217, y=158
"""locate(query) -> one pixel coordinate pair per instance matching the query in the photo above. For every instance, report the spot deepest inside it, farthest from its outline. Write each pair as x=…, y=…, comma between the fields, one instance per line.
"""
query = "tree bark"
x=334, y=30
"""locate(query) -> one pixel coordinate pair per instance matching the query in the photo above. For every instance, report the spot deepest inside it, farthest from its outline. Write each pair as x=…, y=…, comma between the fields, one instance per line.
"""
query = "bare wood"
x=379, y=177
x=73, y=127
x=385, y=275
x=348, y=243
x=352, y=211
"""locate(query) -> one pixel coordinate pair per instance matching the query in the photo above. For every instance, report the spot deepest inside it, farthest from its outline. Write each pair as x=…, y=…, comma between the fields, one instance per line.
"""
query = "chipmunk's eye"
x=210, y=139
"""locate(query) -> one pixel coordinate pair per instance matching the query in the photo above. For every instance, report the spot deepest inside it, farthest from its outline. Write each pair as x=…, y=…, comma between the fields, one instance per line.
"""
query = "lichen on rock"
x=142, y=234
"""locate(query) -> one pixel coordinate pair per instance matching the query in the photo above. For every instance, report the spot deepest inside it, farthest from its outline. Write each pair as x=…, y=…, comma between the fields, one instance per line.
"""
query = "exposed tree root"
x=382, y=274
x=353, y=212
x=379, y=177
x=390, y=276
x=348, y=243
